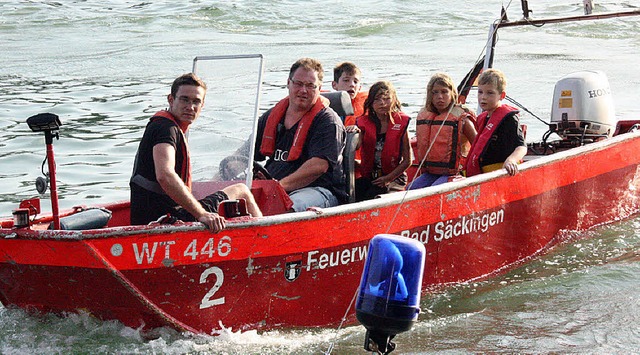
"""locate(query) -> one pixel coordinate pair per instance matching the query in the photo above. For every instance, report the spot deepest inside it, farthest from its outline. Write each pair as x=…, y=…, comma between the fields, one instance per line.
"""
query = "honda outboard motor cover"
x=583, y=106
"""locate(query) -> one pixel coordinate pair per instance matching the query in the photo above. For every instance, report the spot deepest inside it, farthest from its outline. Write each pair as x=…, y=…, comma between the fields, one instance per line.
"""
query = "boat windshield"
x=220, y=141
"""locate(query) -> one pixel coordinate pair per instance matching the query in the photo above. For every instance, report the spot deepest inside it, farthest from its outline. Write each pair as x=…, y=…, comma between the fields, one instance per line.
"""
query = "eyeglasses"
x=299, y=84
x=186, y=101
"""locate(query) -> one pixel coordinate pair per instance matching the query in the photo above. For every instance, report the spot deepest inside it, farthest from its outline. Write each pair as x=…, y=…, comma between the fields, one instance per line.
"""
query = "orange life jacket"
x=449, y=145
x=185, y=173
x=392, y=150
x=268, y=144
x=486, y=128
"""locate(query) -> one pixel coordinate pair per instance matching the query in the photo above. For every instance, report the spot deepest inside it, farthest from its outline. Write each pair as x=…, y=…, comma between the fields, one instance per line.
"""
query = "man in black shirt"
x=161, y=179
x=303, y=140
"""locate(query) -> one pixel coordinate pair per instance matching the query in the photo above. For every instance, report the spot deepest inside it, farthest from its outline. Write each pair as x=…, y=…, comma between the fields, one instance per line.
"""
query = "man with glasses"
x=302, y=139
x=161, y=179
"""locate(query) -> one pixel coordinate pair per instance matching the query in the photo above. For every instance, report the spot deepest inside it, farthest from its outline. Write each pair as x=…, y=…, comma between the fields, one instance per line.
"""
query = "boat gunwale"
x=385, y=201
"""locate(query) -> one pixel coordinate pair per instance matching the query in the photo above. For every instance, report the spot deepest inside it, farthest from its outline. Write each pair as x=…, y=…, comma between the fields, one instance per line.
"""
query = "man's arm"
x=307, y=173
x=174, y=187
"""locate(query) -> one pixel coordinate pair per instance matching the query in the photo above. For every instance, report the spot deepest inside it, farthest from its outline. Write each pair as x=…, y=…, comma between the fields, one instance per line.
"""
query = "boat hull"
x=303, y=269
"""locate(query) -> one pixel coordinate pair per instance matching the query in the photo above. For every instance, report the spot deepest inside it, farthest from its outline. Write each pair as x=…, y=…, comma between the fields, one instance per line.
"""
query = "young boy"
x=500, y=141
x=346, y=77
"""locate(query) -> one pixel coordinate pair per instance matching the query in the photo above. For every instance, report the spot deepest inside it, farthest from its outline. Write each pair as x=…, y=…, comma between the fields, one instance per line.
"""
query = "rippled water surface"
x=104, y=67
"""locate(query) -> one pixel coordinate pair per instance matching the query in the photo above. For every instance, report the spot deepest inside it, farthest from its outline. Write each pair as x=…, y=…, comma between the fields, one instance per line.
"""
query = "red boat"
x=303, y=269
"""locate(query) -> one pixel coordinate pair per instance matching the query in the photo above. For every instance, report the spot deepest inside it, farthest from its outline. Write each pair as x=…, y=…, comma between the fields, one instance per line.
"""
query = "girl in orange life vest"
x=385, y=148
x=500, y=141
x=444, y=131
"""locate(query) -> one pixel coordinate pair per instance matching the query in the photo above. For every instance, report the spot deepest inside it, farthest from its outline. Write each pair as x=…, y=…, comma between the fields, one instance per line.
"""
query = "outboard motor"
x=389, y=296
x=583, y=107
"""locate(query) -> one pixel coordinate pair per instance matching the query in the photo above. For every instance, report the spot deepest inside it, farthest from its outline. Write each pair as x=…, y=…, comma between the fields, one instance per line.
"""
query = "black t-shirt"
x=325, y=139
x=146, y=205
x=506, y=138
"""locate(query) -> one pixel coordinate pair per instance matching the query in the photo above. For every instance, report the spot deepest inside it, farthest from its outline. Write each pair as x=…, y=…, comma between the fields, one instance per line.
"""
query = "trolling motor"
x=49, y=124
x=389, y=296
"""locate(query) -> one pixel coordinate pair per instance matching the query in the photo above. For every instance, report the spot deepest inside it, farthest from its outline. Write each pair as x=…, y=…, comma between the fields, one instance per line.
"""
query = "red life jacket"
x=358, y=108
x=486, y=128
x=392, y=150
x=185, y=172
x=268, y=144
x=449, y=145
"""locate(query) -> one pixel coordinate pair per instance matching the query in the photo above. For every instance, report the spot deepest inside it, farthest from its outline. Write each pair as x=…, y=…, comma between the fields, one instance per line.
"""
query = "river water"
x=104, y=67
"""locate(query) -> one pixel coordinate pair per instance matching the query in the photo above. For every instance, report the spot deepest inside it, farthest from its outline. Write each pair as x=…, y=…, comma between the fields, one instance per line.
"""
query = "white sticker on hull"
x=456, y=227
x=341, y=257
x=146, y=252
x=218, y=276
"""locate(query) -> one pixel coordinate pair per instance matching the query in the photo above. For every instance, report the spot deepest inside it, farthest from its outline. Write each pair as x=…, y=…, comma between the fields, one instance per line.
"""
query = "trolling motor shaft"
x=49, y=123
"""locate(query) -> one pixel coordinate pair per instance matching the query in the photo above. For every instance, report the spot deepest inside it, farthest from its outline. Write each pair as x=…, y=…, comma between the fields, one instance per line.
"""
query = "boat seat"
x=623, y=126
x=339, y=101
x=349, y=164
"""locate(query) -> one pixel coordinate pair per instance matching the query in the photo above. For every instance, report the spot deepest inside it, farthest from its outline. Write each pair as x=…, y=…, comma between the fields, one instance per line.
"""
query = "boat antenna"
x=503, y=15
x=525, y=9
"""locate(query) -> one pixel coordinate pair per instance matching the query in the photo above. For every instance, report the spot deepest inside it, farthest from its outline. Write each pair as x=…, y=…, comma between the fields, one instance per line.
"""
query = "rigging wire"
x=344, y=319
x=512, y=100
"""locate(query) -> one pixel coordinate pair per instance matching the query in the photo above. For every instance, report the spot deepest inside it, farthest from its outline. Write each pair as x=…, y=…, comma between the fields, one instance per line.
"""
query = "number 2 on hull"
x=207, y=300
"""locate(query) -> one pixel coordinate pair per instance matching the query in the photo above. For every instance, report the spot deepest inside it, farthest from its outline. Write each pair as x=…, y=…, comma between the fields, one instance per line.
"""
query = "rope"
x=344, y=318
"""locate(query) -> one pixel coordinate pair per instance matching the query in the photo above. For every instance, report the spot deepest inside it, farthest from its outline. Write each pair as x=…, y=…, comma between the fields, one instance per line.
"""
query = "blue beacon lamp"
x=388, y=300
